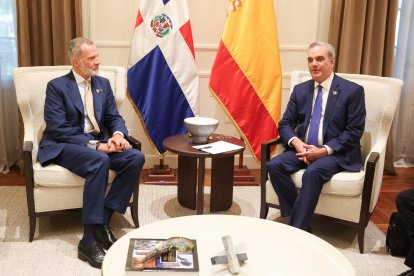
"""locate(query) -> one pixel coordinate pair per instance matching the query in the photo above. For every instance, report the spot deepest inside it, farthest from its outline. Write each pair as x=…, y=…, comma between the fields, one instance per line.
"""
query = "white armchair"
x=53, y=189
x=349, y=197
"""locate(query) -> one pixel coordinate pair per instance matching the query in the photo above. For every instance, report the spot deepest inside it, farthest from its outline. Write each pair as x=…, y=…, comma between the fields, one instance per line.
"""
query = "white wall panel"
x=207, y=20
x=110, y=24
x=205, y=55
x=297, y=17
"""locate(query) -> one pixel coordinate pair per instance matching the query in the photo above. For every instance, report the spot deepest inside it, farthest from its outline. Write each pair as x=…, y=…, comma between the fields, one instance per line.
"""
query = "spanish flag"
x=246, y=77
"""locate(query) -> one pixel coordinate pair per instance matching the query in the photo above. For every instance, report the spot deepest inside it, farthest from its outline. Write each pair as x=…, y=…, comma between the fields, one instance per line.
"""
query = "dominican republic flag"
x=246, y=77
x=163, y=80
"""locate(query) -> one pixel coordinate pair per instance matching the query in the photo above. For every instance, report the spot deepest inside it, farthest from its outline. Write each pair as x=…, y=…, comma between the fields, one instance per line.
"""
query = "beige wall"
x=110, y=24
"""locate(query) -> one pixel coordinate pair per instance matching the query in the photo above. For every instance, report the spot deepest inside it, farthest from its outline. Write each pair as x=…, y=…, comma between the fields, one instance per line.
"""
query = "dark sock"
x=107, y=215
x=88, y=234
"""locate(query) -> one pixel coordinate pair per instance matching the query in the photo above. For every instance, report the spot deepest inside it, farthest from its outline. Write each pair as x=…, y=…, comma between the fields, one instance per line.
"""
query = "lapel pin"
x=334, y=93
x=98, y=90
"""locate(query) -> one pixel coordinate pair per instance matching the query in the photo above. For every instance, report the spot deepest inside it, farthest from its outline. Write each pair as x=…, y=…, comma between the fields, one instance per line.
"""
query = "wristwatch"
x=93, y=144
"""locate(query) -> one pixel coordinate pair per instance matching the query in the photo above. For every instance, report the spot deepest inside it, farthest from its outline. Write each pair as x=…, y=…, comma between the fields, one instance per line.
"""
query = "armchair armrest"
x=265, y=156
x=266, y=147
x=134, y=208
x=28, y=173
x=368, y=186
x=134, y=142
x=27, y=146
x=28, y=161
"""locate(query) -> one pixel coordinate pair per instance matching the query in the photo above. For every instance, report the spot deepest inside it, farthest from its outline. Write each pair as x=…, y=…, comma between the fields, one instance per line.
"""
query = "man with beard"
x=86, y=135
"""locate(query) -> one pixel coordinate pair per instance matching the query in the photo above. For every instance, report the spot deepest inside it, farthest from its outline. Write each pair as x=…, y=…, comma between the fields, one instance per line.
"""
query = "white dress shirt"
x=326, y=85
x=80, y=81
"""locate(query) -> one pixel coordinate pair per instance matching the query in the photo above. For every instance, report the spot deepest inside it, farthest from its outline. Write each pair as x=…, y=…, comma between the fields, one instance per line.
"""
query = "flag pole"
x=242, y=174
x=241, y=156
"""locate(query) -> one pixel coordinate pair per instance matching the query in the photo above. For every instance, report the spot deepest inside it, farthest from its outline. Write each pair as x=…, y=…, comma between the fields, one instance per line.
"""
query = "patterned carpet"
x=54, y=250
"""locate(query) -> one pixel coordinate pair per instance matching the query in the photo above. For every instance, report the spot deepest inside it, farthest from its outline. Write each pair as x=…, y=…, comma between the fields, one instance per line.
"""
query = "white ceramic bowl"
x=200, y=128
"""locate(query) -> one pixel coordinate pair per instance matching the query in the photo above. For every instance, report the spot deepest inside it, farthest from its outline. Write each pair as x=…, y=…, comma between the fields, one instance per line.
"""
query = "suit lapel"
x=333, y=95
x=309, y=102
x=74, y=94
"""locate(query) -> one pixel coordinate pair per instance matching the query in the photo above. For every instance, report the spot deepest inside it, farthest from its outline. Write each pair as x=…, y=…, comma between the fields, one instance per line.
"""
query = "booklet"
x=181, y=261
x=218, y=147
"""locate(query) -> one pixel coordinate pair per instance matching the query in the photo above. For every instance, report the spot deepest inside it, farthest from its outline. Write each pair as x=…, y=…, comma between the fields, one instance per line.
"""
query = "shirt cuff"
x=290, y=141
x=118, y=132
x=329, y=150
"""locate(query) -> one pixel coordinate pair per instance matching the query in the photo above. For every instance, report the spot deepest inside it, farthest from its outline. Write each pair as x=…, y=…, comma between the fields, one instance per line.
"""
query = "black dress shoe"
x=93, y=254
x=105, y=236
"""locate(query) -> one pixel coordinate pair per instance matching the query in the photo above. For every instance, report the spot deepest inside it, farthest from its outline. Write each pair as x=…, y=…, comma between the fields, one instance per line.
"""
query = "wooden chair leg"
x=361, y=234
x=134, y=206
x=264, y=210
x=32, y=225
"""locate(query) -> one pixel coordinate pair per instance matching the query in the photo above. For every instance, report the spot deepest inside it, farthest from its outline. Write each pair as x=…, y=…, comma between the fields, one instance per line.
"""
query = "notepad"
x=218, y=147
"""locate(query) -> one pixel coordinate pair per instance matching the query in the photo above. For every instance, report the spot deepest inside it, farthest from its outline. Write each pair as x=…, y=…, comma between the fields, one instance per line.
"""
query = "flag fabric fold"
x=162, y=76
x=246, y=76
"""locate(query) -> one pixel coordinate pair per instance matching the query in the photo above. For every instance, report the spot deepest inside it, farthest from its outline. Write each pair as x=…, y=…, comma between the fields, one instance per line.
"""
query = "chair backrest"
x=31, y=82
x=381, y=100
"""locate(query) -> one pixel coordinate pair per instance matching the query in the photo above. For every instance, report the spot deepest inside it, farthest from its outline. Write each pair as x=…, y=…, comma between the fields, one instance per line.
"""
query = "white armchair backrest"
x=31, y=82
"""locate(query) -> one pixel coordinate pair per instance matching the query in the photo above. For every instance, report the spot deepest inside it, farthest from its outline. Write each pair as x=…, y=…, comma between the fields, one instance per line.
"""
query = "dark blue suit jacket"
x=64, y=115
x=343, y=124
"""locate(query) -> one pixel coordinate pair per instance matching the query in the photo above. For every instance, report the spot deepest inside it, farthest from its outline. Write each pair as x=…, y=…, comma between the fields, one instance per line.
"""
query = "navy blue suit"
x=343, y=126
x=405, y=207
x=65, y=143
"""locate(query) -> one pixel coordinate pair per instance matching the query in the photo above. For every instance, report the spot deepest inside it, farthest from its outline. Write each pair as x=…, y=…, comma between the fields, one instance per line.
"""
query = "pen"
x=207, y=147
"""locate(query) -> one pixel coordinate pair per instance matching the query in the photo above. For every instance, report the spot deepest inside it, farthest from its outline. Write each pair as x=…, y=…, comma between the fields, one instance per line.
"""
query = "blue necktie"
x=316, y=117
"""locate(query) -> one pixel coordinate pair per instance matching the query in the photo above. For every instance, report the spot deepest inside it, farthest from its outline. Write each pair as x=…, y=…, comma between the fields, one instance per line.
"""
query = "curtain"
x=9, y=146
x=404, y=69
x=44, y=28
x=363, y=34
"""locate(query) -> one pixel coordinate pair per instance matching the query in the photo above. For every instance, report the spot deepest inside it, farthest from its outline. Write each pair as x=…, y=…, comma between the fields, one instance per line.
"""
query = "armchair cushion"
x=342, y=184
x=56, y=176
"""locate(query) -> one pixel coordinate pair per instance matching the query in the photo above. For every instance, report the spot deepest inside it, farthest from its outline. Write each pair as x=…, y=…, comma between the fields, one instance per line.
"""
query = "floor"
x=391, y=186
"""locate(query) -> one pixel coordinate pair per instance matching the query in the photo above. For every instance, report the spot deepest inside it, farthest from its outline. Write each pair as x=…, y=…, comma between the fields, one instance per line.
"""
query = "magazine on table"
x=181, y=261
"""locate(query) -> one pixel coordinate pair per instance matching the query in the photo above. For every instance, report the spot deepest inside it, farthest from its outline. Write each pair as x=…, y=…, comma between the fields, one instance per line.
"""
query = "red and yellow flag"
x=246, y=76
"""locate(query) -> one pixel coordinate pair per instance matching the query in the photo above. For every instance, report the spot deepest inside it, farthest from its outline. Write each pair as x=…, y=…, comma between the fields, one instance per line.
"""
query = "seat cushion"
x=341, y=184
x=57, y=176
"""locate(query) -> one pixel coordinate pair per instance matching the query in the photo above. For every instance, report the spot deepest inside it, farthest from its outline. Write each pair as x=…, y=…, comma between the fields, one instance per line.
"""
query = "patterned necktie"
x=89, y=108
x=316, y=117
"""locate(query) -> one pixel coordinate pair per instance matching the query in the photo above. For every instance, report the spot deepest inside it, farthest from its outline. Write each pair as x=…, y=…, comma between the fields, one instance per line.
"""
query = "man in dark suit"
x=405, y=207
x=86, y=134
x=321, y=130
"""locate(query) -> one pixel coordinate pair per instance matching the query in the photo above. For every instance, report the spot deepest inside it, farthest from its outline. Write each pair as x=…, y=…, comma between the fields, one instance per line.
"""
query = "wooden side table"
x=190, y=188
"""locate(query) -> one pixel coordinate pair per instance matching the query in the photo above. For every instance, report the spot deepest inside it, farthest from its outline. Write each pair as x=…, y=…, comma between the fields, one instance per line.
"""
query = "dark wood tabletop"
x=182, y=144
